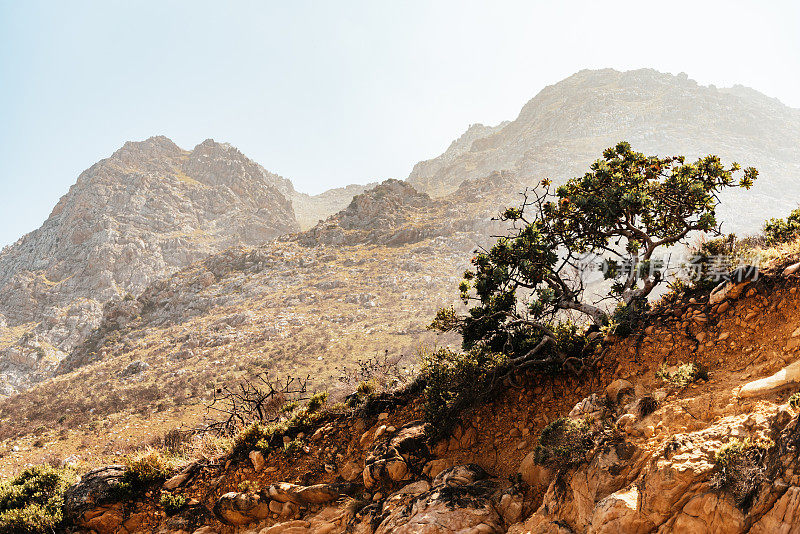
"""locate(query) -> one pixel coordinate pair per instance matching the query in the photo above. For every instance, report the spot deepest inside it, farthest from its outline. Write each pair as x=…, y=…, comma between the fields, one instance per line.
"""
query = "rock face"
x=146, y=211
x=566, y=126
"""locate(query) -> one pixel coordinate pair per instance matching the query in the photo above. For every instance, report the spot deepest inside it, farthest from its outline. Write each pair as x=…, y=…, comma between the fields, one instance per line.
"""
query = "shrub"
x=564, y=442
x=246, y=486
x=32, y=502
x=455, y=381
x=141, y=472
x=741, y=468
x=382, y=372
x=172, y=504
x=316, y=401
x=626, y=316
x=293, y=447
x=779, y=231
x=684, y=375
x=794, y=400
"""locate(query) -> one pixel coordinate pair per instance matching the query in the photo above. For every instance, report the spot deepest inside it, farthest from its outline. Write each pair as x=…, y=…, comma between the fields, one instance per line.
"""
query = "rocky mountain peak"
x=144, y=212
x=560, y=131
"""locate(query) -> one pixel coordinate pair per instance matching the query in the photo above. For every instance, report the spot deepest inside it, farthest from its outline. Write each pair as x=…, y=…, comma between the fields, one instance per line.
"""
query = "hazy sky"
x=331, y=93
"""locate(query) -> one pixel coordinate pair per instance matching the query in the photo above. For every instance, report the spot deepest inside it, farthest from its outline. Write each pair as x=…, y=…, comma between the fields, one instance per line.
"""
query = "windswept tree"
x=620, y=213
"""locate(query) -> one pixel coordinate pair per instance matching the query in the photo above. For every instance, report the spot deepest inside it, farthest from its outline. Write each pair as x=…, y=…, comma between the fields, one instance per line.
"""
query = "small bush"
x=684, y=375
x=794, y=401
x=564, y=442
x=172, y=504
x=316, y=401
x=293, y=447
x=141, y=472
x=455, y=381
x=741, y=468
x=626, y=317
x=246, y=486
x=32, y=502
x=777, y=231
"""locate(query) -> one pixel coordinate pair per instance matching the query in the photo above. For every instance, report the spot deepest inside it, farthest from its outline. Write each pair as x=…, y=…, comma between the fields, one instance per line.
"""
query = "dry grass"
x=306, y=320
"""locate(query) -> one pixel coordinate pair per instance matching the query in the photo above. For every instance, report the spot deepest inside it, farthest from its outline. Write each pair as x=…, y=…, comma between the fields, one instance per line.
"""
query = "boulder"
x=535, y=475
x=257, y=459
x=397, y=457
x=787, y=376
x=619, y=392
x=460, y=500
x=241, y=508
x=94, y=489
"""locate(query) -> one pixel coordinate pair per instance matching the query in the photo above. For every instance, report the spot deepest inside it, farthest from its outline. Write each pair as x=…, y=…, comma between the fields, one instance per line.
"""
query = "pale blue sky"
x=330, y=93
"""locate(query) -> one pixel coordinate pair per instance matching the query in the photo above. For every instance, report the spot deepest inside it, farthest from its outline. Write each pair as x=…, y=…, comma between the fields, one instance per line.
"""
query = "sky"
x=330, y=93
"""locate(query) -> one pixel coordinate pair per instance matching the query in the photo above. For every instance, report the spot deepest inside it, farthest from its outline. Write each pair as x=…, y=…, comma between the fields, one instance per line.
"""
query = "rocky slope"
x=648, y=459
x=145, y=212
x=563, y=129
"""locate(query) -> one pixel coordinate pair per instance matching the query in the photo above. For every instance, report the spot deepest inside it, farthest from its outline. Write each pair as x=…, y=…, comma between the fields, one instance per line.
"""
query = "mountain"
x=311, y=209
x=566, y=126
x=145, y=212
x=221, y=301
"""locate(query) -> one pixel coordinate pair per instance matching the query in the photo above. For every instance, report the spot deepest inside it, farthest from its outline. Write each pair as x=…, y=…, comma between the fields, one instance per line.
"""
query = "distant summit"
x=566, y=126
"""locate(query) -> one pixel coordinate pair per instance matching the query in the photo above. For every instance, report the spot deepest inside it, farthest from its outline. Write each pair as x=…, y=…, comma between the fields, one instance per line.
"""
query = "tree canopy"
x=619, y=214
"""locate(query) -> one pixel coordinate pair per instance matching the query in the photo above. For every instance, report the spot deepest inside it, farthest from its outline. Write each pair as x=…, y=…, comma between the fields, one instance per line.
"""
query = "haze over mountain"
x=566, y=126
x=153, y=209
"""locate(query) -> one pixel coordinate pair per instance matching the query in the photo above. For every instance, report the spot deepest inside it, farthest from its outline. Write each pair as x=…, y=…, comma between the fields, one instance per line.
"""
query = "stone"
x=620, y=512
x=783, y=516
x=792, y=269
x=618, y=390
x=460, y=500
x=94, y=488
x=787, y=376
x=257, y=459
x=290, y=527
x=533, y=474
x=408, y=447
x=241, y=508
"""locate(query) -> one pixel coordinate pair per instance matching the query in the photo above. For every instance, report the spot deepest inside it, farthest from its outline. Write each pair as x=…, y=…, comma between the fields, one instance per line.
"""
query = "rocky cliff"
x=145, y=212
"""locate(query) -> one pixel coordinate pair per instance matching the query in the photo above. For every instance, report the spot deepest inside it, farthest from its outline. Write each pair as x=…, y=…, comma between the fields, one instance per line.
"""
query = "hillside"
x=145, y=212
x=562, y=129
x=165, y=276
x=655, y=452
x=307, y=303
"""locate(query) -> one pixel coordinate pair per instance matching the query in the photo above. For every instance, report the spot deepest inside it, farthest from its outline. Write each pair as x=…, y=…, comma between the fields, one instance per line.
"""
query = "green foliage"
x=794, y=400
x=455, y=381
x=684, y=375
x=564, y=442
x=32, y=502
x=172, y=504
x=142, y=472
x=741, y=468
x=316, y=401
x=258, y=436
x=293, y=447
x=779, y=231
x=622, y=211
x=627, y=316
x=247, y=486
x=364, y=391
x=268, y=437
